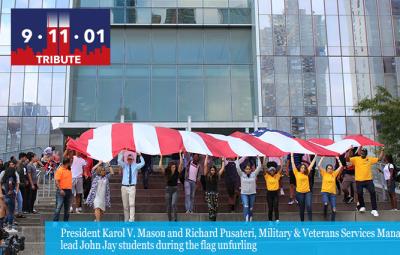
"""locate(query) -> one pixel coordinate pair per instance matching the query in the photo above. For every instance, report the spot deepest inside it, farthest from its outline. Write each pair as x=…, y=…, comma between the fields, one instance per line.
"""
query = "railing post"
x=189, y=123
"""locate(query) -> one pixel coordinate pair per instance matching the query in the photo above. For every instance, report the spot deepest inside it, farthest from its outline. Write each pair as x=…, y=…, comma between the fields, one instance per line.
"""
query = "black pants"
x=311, y=178
x=273, y=204
x=87, y=184
x=203, y=182
x=32, y=198
x=369, y=185
x=24, y=192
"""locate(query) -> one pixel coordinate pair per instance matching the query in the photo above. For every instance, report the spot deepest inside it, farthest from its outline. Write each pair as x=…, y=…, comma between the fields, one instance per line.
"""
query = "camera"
x=11, y=244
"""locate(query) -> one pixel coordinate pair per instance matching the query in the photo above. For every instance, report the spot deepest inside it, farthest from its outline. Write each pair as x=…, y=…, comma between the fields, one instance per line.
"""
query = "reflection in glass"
x=163, y=16
x=164, y=94
x=191, y=98
x=136, y=94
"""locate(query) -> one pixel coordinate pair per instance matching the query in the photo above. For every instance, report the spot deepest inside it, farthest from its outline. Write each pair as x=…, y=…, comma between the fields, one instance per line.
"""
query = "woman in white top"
x=248, y=187
x=389, y=171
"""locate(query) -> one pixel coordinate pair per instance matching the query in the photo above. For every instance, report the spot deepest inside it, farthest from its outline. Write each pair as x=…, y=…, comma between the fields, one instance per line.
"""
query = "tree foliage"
x=385, y=109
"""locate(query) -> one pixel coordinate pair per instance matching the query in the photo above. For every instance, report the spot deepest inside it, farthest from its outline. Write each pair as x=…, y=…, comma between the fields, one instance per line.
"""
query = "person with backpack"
x=9, y=180
x=390, y=173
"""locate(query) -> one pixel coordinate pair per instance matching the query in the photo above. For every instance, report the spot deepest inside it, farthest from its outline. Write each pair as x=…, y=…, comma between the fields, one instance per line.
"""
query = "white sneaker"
x=362, y=209
x=77, y=210
x=291, y=202
x=375, y=213
x=282, y=192
x=277, y=221
x=80, y=209
x=71, y=210
x=394, y=209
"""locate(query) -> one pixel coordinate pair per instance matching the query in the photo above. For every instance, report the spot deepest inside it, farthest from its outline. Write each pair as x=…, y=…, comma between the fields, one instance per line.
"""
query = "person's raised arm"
x=310, y=167
x=292, y=161
x=221, y=171
x=242, y=159
x=141, y=163
x=280, y=169
x=120, y=159
x=206, y=165
x=358, y=152
x=97, y=165
x=320, y=168
x=340, y=164
x=180, y=167
x=259, y=166
x=160, y=165
x=238, y=169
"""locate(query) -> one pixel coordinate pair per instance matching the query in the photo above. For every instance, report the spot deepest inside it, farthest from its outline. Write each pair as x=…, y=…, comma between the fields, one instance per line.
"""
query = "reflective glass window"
x=216, y=46
x=164, y=46
x=191, y=93
x=241, y=85
x=218, y=102
x=190, y=46
x=163, y=94
x=138, y=46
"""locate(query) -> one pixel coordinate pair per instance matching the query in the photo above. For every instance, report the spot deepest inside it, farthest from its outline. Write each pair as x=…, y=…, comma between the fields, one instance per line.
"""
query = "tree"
x=385, y=109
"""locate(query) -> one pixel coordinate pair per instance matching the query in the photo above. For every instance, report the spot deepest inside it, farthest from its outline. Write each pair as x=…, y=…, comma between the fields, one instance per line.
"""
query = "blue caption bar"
x=221, y=237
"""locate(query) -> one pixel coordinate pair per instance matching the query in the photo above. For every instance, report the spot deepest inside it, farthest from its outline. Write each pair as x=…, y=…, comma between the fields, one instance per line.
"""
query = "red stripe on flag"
x=218, y=148
x=363, y=141
x=169, y=140
x=316, y=148
x=322, y=141
x=81, y=143
x=263, y=147
x=122, y=137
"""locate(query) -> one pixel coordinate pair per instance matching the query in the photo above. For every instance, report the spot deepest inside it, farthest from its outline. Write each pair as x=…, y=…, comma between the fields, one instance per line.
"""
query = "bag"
x=10, y=185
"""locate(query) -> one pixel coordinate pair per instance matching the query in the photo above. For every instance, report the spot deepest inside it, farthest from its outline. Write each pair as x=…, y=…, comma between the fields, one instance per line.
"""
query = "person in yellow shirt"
x=303, y=193
x=363, y=176
x=328, y=189
x=272, y=176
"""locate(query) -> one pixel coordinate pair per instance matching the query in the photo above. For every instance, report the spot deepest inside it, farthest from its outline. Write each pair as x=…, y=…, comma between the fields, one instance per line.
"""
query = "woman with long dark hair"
x=212, y=176
x=303, y=192
x=171, y=172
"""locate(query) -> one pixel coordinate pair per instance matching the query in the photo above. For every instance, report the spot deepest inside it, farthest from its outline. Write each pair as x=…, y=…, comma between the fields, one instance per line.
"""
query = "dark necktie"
x=130, y=174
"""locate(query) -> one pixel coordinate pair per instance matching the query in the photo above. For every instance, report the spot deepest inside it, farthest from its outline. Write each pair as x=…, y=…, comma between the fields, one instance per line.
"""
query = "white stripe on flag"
x=343, y=145
x=194, y=143
x=284, y=143
x=239, y=146
x=100, y=147
x=146, y=139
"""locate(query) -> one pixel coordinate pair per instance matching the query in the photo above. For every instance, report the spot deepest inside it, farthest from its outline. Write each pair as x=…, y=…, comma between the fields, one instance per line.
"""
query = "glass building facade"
x=297, y=65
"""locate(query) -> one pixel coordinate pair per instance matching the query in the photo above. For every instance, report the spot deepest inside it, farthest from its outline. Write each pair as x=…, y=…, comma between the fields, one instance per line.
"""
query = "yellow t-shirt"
x=272, y=182
x=302, y=182
x=363, y=167
x=329, y=181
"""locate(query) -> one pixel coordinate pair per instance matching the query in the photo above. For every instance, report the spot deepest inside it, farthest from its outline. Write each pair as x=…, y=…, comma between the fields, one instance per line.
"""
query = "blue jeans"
x=19, y=202
x=60, y=201
x=331, y=199
x=248, y=204
x=190, y=188
x=305, y=201
x=10, y=202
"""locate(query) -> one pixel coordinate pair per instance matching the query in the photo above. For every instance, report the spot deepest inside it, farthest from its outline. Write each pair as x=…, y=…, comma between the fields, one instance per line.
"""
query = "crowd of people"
x=19, y=184
x=82, y=181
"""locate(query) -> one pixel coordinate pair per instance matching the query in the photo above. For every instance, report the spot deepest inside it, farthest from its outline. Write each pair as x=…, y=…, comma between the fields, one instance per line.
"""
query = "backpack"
x=9, y=185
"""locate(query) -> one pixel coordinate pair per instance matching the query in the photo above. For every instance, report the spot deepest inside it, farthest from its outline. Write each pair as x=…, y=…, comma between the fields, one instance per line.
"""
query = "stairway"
x=150, y=206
